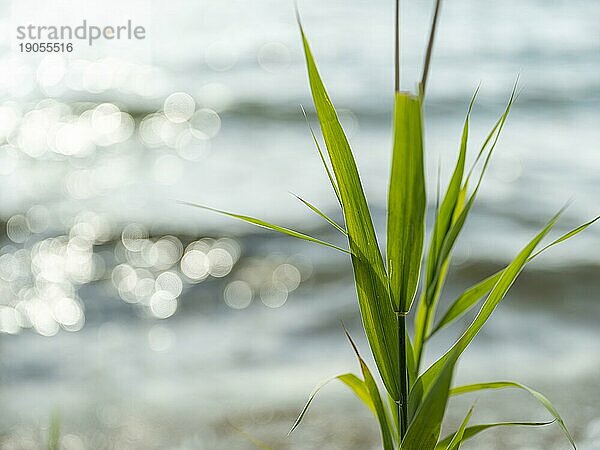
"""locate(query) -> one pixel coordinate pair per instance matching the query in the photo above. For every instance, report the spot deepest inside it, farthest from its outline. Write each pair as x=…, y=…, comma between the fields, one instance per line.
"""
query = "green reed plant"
x=411, y=408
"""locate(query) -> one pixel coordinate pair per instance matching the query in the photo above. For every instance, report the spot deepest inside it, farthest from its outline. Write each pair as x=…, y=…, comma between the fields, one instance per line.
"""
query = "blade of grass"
x=426, y=318
x=447, y=211
x=448, y=206
x=467, y=301
x=270, y=226
x=567, y=235
x=406, y=226
x=322, y=156
x=491, y=135
x=424, y=382
x=369, y=270
x=356, y=385
x=322, y=214
x=424, y=431
x=471, y=296
x=385, y=425
x=457, y=224
x=542, y=400
x=457, y=439
x=406, y=202
x=476, y=429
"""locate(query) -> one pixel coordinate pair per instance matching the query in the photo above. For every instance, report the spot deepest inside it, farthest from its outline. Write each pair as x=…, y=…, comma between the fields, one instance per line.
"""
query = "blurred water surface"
x=151, y=324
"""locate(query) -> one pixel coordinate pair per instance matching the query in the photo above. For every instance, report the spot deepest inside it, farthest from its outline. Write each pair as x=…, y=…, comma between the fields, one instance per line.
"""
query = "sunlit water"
x=152, y=324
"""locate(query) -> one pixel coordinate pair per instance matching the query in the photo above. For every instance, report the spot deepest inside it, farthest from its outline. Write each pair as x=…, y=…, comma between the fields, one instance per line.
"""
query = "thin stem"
x=430, y=45
x=403, y=374
x=397, y=49
x=402, y=415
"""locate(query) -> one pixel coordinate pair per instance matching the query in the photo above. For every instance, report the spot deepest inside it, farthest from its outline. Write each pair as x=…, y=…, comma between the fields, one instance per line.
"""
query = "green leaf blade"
x=270, y=226
x=499, y=291
x=355, y=384
x=457, y=439
x=320, y=213
x=378, y=316
x=476, y=429
x=468, y=299
x=381, y=413
x=541, y=399
x=449, y=223
x=322, y=157
x=424, y=430
x=406, y=201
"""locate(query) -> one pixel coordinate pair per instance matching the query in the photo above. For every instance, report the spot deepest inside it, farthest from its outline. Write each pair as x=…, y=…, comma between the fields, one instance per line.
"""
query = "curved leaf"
x=322, y=214
x=444, y=214
x=380, y=410
x=476, y=429
x=371, y=279
x=509, y=275
x=542, y=400
x=355, y=384
x=270, y=226
x=444, y=238
x=457, y=439
x=471, y=296
x=466, y=301
x=322, y=156
x=424, y=431
x=457, y=224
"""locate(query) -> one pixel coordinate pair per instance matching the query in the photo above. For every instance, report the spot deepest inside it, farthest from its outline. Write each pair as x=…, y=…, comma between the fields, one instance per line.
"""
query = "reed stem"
x=403, y=375
x=434, y=22
x=402, y=415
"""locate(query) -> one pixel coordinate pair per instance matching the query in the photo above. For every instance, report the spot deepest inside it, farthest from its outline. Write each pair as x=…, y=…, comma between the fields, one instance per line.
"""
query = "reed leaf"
x=381, y=412
x=446, y=210
x=366, y=390
x=322, y=156
x=356, y=385
x=476, y=429
x=542, y=400
x=369, y=271
x=457, y=224
x=468, y=299
x=321, y=214
x=426, y=312
x=446, y=214
x=270, y=226
x=425, y=381
x=424, y=430
x=406, y=202
x=457, y=439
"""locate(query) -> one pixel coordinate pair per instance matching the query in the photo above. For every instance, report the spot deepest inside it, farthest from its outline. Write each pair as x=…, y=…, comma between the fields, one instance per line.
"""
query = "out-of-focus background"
x=147, y=324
